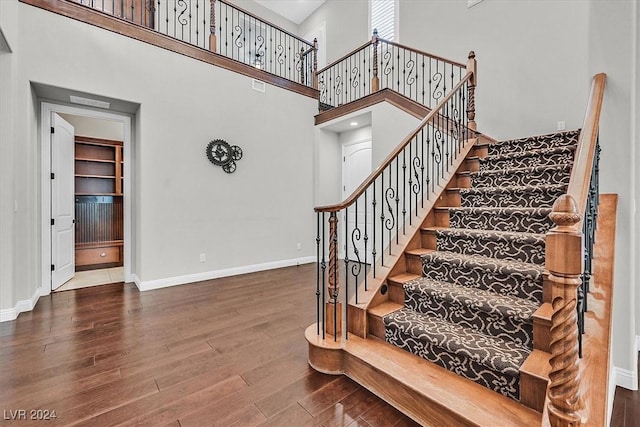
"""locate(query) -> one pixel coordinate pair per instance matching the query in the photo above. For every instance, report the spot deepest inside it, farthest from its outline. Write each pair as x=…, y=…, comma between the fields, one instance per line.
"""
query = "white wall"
x=184, y=205
x=618, y=138
x=532, y=58
x=347, y=23
x=391, y=126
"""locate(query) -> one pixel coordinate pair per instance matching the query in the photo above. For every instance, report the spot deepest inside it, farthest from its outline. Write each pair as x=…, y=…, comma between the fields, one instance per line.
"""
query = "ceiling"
x=294, y=10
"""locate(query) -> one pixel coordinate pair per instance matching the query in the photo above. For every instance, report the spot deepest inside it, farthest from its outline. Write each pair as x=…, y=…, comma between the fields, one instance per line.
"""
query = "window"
x=383, y=17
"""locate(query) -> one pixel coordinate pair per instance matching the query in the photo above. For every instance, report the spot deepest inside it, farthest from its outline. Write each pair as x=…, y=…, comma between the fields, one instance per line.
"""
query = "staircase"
x=480, y=254
x=470, y=292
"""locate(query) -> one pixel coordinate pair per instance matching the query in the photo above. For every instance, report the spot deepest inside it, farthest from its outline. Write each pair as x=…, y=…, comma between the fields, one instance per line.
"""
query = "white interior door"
x=62, y=202
x=356, y=167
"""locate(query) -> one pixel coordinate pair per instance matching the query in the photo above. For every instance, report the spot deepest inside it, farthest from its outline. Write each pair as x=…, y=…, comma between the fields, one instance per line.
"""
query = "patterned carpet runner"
x=471, y=311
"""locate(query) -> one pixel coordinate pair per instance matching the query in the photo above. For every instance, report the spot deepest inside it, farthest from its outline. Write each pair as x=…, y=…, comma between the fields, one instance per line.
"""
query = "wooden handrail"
x=418, y=51
x=421, y=52
x=246, y=12
x=585, y=152
x=374, y=175
x=345, y=56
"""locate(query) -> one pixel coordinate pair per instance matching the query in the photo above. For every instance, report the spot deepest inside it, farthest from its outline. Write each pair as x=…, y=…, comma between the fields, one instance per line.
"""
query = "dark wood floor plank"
x=290, y=394
x=380, y=415
x=182, y=406
x=293, y=415
x=327, y=396
x=348, y=409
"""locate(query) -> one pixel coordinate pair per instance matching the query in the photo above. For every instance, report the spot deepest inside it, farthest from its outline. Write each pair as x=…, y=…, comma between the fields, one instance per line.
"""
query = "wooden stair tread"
x=384, y=308
x=474, y=404
x=544, y=313
x=403, y=277
x=537, y=365
x=418, y=251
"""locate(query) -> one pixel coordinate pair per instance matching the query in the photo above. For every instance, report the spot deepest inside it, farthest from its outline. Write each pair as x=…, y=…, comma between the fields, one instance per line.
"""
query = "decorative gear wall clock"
x=220, y=153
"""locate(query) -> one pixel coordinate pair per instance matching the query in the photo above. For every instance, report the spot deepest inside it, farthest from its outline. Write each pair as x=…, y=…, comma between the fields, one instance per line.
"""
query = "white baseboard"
x=208, y=275
x=627, y=379
x=10, y=314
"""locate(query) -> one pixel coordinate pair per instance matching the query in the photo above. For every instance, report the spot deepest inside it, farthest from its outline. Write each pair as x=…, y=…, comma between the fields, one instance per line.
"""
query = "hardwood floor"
x=226, y=352
x=626, y=408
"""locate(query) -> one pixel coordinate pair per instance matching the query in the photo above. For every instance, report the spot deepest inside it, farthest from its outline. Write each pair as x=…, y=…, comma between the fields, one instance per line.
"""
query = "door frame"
x=45, y=149
x=343, y=172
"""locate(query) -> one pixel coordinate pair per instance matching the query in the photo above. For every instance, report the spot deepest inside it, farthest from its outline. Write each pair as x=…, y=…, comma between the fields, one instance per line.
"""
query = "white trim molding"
x=216, y=274
x=627, y=379
x=471, y=3
x=10, y=314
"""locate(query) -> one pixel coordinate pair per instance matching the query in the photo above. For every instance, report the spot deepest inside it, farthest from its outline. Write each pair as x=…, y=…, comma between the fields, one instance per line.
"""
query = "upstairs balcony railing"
x=221, y=27
x=380, y=64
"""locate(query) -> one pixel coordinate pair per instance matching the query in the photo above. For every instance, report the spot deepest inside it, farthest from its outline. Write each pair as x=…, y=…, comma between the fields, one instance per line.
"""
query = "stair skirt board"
x=471, y=312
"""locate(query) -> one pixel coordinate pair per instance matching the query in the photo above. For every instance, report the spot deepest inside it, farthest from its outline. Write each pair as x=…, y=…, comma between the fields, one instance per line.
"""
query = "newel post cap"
x=565, y=213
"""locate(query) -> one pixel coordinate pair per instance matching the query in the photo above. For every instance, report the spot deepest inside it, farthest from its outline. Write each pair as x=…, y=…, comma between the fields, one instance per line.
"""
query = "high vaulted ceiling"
x=294, y=10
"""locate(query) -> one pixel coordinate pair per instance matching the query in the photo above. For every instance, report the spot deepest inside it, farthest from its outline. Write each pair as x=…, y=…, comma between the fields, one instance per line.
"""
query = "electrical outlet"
x=299, y=246
x=203, y=257
x=561, y=125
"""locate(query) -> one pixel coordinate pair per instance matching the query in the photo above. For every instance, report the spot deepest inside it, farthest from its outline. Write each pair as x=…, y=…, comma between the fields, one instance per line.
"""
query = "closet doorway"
x=99, y=211
x=99, y=168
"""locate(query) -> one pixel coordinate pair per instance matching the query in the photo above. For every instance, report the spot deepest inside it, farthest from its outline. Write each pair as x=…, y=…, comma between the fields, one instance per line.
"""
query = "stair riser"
x=538, y=177
x=414, y=264
x=504, y=283
x=516, y=250
x=548, y=159
x=465, y=367
x=463, y=313
x=396, y=292
x=539, y=223
x=503, y=199
x=564, y=139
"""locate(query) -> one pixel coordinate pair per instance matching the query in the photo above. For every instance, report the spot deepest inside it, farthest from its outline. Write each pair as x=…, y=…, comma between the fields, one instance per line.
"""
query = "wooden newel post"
x=472, y=66
x=375, y=81
x=315, y=63
x=333, y=321
x=563, y=261
x=212, y=27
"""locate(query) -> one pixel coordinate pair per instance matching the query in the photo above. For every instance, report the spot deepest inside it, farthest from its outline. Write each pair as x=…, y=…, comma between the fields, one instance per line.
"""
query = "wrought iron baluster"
x=319, y=266
x=323, y=265
x=397, y=194
x=382, y=199
x=346, y=250
x=404, y=190
x=373, y=229
x=366, y=239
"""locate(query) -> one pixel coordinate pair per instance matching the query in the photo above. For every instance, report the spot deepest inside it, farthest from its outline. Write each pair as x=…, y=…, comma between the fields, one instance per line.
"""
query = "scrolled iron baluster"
x=388, y=67
x=410, y=79
x=438, y=92
x=280, y=55
x=322, y=88
x=182, y=20
x=417, y=185
x=236, y=41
